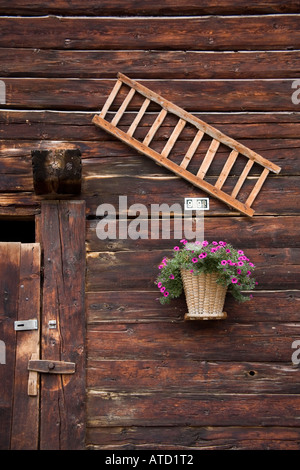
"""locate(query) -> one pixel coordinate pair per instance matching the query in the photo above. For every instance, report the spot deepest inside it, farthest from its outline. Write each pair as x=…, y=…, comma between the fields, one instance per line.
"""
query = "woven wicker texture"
x=204, y=297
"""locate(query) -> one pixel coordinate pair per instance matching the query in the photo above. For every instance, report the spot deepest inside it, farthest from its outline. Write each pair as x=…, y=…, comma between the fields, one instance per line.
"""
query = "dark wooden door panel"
x=19, y=300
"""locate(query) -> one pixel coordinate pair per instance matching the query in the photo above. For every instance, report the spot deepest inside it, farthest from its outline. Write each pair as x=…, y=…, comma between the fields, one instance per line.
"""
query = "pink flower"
x=166, y=294
x=162, y=289
x=194, y=260
x=215, y=243
x=213, y=250
x=204, y=254
x=160, y=266
x=172, y=276
x=248, y=272
x=240, y=263
x=228, y=251
x=197, y=243
x=222, y=243
x=191, y=271
x=205, y=243
x=184, y=241
x=251, y=264
x=176, y=248
x=238, y=271
x=159, y=284
x=240, y=252
x=234, y=280
x=223, y=262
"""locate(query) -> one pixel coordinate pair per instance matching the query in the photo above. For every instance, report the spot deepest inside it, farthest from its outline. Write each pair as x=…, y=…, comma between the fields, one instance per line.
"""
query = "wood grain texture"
x=191, y=376
x=9, y=287
x=191, y=409
x=53, y=126
x=62, y=238
x=150, y=64
x=269, y=32
x=201, y=95
x=270, y=342
x=154, y=381
x=135, y=7
x=135, y=306
x=190, y=438
x=25, y=423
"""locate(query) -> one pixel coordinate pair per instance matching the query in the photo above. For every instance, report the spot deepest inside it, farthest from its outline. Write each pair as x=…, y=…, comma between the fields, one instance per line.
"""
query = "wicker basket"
x=204, y=297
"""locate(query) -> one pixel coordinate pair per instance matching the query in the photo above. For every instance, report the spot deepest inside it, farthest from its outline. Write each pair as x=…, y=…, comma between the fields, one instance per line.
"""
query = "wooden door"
x=19, y=301
x=44, y=407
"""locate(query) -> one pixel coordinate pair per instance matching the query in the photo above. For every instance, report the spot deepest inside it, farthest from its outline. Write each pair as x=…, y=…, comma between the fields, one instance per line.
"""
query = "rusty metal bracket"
x=51, y=367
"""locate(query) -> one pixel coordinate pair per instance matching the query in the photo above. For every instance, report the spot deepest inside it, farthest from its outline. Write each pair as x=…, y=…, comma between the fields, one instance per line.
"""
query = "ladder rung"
x=155, y=126
x=138, y=117
x=192, y=149
x=208, y=158
x=226, y=169
x=123, y=107
x=242, y=178
x=111, y=98
x=257, y=186
x=173, y=137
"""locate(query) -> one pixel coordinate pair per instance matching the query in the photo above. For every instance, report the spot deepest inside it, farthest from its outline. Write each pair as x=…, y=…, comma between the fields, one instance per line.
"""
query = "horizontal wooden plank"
x=194, y=410
x=191, y=376
x=113, y=160
x=259, y=232
x=134, y=7
x=221, y=340
x=278, y=196
x=148, y=64
x=192, y=95
x=276, y=268
x=272, y=32
x=77, y=126
x=145, y=191
x=142, y=306
x=193, y=438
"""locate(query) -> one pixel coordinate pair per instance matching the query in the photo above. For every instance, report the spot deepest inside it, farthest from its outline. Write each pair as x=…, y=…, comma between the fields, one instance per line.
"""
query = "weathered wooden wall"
x=153, y=380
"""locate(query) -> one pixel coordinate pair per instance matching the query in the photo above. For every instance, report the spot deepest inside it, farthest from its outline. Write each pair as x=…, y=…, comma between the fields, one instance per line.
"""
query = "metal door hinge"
x=26, y=325
x=51, y=367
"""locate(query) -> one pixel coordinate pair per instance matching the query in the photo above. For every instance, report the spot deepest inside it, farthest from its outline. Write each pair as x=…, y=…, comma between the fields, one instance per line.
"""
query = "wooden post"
x=62, y=227
x=56, y=171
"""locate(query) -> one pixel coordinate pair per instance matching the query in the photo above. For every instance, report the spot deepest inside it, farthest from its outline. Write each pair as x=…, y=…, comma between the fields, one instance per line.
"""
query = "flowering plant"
x=234, y=268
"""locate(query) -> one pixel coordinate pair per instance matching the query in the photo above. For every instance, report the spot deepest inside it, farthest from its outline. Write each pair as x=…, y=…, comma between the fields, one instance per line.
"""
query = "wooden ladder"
x=201, y=130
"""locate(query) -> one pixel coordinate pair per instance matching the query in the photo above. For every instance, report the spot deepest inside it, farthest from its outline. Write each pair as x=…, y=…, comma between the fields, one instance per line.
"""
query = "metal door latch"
x=26, y=325
x=51, y=367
